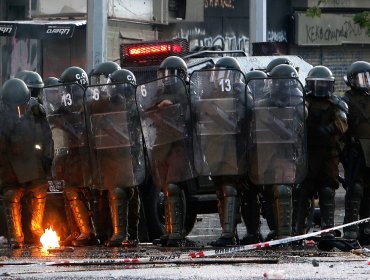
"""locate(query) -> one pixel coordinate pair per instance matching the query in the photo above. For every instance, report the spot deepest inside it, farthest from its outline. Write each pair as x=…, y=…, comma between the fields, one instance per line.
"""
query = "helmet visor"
x=220, y=76
x=320, y=88
x=170, y=72
x=99, y=80
x=361, y=80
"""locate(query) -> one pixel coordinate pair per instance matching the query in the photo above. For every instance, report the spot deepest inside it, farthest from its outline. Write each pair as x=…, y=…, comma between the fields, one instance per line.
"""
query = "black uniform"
x=26, y=146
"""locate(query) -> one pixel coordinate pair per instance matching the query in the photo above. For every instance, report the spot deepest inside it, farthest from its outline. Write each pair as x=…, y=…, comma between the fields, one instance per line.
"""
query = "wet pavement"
x=148, y=261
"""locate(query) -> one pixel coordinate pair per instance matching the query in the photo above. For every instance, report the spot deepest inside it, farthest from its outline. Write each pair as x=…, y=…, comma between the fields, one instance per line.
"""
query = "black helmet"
x=227, y=62
x=102, y=71
x=320, y=81
x=282, y=78
x=173, y=65
x=33, y=81
x=122, y=76
x=256, y=81
x=276, y=62
x=284, y=71
x=226, y=68
x=16, y=96
x=31, y=78
x=15, y=92
x=74, y=74
x=358, y=76
x=254, y=74
x=51, y=81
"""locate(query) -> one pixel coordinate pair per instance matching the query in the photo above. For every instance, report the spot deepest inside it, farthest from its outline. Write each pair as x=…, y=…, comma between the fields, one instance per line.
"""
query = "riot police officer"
x=165, y=118
x=51, y=81
x=326, y=125
x=26, y=146
x=356, y=159
x=219, y=106
x=33, y=81
x=277, y=158
x=71, y=163
x=118, y=150
x=277, y=61
x=100, y=74
x=251, y=194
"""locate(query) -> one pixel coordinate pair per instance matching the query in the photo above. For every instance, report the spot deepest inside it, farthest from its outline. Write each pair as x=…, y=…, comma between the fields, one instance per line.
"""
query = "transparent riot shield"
x=218, y=102
x=115, y=136
x=165, y=119
x=277, y=144
x=65, y=114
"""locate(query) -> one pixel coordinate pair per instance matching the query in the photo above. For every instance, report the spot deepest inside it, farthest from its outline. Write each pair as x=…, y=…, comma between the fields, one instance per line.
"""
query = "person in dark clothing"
x=26, y=153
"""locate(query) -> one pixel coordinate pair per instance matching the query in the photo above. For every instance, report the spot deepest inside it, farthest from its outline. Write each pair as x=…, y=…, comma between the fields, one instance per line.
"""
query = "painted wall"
x=226, y=25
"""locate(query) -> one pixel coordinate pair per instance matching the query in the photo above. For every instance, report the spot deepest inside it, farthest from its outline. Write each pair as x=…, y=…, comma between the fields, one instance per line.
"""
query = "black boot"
x=37, y=217
x=118, y=204
x=82, y=218
x=72, y=225
x=134, y=217
x=352, y=209
x=364, y=228
x=303, y=199
x=175, y=216
x=13, y=217
x=283, y=210
x=12, y=204
x=250, y=210
x=268, y=212
x=230, y=209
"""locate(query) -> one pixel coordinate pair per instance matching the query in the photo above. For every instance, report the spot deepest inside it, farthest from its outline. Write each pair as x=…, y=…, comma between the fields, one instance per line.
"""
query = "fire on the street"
x=50, y=239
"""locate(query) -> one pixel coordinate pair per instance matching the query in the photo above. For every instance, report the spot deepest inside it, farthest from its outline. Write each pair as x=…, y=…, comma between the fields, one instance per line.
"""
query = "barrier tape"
x=193, y=256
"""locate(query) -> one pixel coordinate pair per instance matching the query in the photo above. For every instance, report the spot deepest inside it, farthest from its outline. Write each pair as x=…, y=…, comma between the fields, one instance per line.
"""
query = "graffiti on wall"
x=197, y=38
x=228, y=4
x=276, y=36
x=319, y=33
x=17, y=55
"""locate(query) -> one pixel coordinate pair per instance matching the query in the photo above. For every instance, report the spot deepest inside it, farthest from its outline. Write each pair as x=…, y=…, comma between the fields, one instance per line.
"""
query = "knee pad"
x=120, y=193
x=71, y=194
x=13, y=195
x=327, y=193
x=229, y=190
x=173, y=190
x=282, y=191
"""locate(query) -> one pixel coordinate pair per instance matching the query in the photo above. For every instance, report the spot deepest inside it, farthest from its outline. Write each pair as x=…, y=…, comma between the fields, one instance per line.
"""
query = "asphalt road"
x=149, y=261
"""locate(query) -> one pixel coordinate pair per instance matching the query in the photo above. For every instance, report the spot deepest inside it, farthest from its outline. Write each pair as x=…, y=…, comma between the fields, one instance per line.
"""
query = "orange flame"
x=50, y=239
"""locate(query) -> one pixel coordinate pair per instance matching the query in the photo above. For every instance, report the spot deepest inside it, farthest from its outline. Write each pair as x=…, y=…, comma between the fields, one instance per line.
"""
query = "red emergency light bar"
x=152, y=52
x=160, y=49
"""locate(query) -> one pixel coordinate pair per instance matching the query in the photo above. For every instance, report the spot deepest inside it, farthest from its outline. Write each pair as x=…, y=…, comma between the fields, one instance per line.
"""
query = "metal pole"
x=96, y=40
x=257, y=21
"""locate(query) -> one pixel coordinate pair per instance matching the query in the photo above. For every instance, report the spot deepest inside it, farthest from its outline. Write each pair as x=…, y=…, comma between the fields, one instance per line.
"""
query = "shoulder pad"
x=339, y=102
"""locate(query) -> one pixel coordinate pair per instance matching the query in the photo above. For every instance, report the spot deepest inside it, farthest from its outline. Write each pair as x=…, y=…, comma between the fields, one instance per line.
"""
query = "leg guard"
x=250, y=211
x=118, y=204
x=364, y=232
x=82, y=218
x=303, y=205
x=12, y=203
x=283, y=210
x=352, y=208
x=230, y=210
x=174, y=212
x=37, y=215
x=327, y=207
x=134, y=215
x=268, y=211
